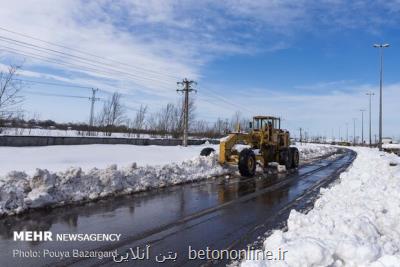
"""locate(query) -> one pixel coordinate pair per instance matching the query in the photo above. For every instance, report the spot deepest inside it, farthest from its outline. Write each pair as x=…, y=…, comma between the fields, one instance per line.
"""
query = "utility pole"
x=354, y=131
x=370, y=94
x=93, y=99
x=347, y=132
x=186, y=84
x=380, y=46
x=301, y=135
x=362, y=126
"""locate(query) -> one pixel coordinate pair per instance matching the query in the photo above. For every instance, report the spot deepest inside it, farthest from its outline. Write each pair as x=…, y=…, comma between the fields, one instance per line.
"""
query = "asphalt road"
x=219, y=214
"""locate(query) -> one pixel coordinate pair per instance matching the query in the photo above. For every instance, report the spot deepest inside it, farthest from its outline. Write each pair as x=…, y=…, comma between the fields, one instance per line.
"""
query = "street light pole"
x=380, y=46
x=354, y=131
x=362, y=126
x=347, y=132
x=370, y=94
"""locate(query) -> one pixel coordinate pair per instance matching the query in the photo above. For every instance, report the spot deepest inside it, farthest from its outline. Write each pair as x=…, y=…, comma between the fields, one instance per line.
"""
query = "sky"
x=309, y=62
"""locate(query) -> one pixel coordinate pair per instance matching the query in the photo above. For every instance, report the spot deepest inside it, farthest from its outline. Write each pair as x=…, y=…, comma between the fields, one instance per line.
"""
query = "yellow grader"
x=266, y=142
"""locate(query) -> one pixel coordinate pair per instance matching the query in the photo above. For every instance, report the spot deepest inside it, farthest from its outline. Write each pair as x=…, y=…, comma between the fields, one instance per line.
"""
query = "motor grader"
x=265, y=142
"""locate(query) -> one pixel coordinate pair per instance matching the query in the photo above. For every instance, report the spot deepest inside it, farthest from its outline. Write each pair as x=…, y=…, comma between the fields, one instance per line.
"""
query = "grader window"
x=262, y=123
x=257, y=124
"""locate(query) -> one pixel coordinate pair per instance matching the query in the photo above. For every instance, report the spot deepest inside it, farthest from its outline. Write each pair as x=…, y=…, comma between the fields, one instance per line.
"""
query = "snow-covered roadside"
x=391, y=146
x=19, y=191
x=41, y=179
x=312, y=151
x=354, y=223
x=59, y=158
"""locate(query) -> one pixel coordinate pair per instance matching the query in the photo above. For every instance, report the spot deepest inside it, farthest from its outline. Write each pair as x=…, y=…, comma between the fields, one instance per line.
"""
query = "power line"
x=75, y=86
x=96, y=70
x=85, y=61
x=86, y=53
x=223, y=99
x=67, y=55
x=51, y=83
x=42, y=58
x=57, y=95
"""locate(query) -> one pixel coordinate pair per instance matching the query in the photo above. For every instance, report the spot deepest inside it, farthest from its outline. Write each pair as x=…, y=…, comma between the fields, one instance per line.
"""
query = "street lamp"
x=362, y=126
x=354, y=131
x=370, y=94
x=380, y=46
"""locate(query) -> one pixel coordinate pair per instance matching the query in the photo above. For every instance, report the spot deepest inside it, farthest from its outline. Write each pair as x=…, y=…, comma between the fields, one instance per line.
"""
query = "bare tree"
x=169, y=119
x=139, y=121
x=219, y=126
x=33, y=121
x=9, y=92
x=235, y=121
x=112, y=113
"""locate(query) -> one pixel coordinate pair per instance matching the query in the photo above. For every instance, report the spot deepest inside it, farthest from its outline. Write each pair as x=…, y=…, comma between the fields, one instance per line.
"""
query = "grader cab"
x=266, y=142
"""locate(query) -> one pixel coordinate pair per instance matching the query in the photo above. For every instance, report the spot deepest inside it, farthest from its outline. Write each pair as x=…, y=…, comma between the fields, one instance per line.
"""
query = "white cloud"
x=319, y=113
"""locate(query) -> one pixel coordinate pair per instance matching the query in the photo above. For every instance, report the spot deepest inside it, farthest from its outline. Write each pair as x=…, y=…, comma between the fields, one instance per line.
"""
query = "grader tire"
x=247, y=163
x=285, y=158
x=295, y=157
x=207, y=151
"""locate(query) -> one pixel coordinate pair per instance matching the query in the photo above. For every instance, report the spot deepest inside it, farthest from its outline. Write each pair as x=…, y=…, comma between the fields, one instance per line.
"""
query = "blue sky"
x=310, y=62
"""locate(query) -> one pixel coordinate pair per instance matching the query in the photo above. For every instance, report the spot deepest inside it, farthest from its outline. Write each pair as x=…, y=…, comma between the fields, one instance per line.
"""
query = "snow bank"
x=354, y=223
x=58, y=158
x=312, y=151
x=40, y=183
x=391, y=145
x=72, y=133
x=19, y=191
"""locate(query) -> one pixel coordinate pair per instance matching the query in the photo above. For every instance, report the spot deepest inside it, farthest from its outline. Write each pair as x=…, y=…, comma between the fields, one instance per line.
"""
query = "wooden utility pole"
x=186, y=84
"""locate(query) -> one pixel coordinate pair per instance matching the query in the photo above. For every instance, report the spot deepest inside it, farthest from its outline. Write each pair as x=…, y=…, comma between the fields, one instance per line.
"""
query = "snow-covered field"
x=33, y=177
x=58, y=158
x=354, y=223
x=69, y=133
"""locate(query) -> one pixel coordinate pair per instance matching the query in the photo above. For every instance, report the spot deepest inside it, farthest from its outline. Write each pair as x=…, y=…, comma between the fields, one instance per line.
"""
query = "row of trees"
x=167, y=121
x=113, y=116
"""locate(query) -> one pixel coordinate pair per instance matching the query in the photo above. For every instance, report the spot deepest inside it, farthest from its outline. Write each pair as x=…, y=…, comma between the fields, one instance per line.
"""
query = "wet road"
x=219, y=213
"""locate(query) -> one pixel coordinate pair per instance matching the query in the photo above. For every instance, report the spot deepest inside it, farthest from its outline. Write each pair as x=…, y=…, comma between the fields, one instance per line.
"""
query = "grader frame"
x=265, y=142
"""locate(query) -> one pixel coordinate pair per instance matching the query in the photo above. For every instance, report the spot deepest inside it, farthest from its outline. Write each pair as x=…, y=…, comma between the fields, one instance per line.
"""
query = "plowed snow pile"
x=354, y=223
x=19, y=191
x=47, y=185
x=311, y=151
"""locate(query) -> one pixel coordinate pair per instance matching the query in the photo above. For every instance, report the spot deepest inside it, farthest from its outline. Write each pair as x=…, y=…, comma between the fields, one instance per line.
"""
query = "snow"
x=70, y=133
x=20, y=191
x=59, y=175
x=312, y=151
x=391, y=146
x=75, y=133
x=57, y=158
x=353, y=223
